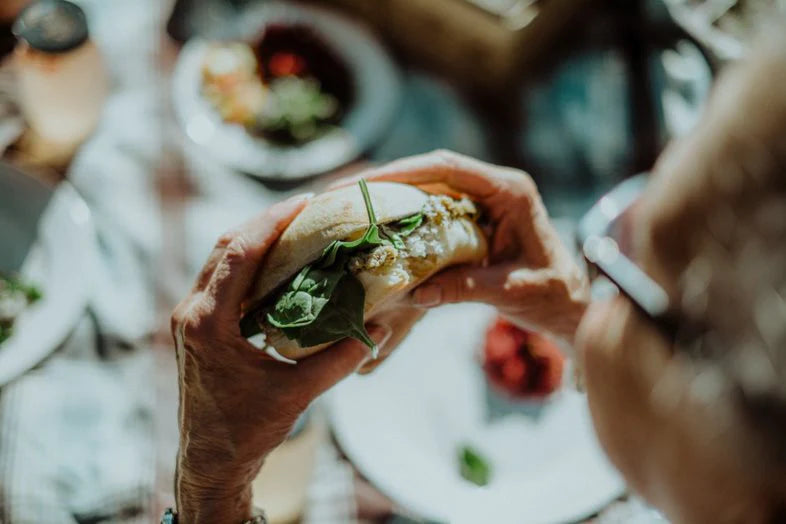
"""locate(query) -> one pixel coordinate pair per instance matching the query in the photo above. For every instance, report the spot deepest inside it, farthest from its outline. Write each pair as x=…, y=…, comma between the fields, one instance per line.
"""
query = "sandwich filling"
x=325, y=301
x=423, y=243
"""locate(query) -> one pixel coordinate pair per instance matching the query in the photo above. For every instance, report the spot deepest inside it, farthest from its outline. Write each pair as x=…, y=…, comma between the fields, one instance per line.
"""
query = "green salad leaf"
x=397, y=231
x=309, y=292
x=325, y=302
x=342, y=318
x=406, y=226
x=473, y=466
x=12, y=288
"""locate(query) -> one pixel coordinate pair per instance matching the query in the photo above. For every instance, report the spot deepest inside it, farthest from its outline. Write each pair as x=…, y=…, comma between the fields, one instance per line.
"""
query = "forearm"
x=221, y=495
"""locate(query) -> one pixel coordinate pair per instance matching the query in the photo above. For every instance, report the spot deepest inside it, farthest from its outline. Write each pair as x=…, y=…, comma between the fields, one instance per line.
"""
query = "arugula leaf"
x=473, y=467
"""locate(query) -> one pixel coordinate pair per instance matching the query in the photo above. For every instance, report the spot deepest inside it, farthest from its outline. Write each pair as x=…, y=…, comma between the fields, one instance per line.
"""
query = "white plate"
x=402, y=425
x=59, y=263
x=377, y=87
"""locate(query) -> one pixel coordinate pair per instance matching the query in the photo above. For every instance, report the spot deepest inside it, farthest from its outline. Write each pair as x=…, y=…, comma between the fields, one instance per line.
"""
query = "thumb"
x=462, y=284
x=325, y=369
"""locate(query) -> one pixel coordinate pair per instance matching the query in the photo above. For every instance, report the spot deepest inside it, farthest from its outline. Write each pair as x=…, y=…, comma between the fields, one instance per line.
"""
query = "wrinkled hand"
x=530, y=276
x=237, y=404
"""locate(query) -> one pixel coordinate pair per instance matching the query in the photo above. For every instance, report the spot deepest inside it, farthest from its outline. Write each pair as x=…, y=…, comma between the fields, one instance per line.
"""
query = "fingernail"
x=380, y=335
x=427, y=296
x=367, y=368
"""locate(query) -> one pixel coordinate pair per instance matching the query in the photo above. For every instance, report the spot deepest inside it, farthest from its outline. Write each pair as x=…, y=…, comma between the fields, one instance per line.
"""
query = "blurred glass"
x=60, y=73
x=282, y=485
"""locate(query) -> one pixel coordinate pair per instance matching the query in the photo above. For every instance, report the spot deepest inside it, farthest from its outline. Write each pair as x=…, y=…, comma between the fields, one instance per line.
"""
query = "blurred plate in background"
x=403, y=425
x=50, y=241
x=376, y=98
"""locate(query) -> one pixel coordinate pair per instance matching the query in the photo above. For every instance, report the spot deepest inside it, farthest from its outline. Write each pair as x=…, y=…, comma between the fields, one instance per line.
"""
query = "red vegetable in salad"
x=521, y=363
x=286, y=64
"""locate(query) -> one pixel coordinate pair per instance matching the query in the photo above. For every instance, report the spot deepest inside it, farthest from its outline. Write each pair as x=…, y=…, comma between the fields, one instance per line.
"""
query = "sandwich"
x=350, y=255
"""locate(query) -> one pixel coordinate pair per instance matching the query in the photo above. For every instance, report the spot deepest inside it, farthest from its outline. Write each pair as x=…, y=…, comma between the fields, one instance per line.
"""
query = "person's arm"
x=236, y=404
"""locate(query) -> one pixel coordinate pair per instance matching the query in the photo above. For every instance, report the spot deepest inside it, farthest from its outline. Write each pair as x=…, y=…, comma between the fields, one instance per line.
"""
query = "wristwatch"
x=170, y=517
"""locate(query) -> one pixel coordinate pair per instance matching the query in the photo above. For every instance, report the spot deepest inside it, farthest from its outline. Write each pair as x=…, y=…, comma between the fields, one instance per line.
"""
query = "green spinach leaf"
x=343, y=317
x=309, y=292
x=324, y=302
x=473, y=467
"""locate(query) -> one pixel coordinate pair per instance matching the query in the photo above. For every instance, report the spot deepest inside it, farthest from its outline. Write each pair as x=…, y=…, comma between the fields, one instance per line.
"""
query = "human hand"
x=710, y=229
x=236, y=403
x=530, y=276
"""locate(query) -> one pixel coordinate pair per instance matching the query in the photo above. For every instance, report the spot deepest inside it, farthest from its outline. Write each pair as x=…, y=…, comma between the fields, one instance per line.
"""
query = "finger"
x=219, y=249
x=234, y=274
x=345, y=181
x=344, y=177
x=463, y=284
x=323, y=370
x=401, y=322
x=628, y=373
x=212, y=261
x=477, y=179
x=594, y=329
x=615, y=333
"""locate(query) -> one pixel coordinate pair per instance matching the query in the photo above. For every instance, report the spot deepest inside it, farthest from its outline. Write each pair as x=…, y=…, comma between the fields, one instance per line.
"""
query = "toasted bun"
x=340, y=215
x=335, y=215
